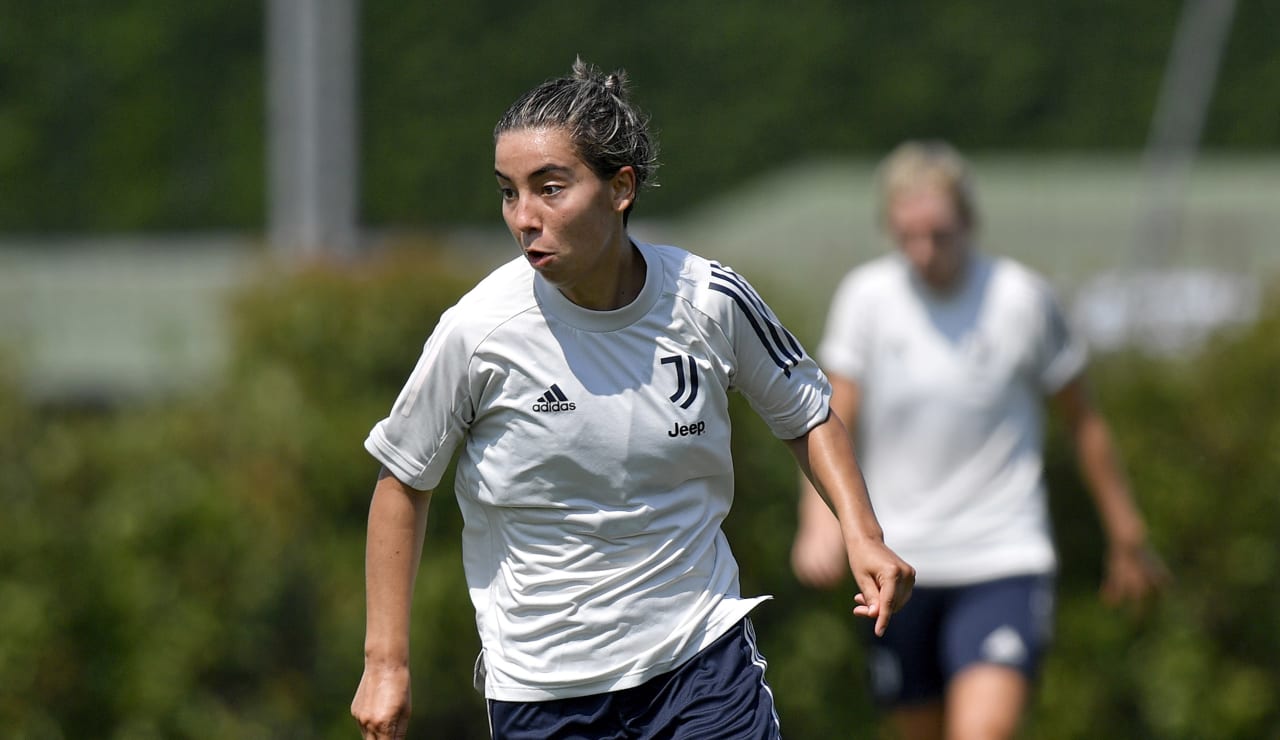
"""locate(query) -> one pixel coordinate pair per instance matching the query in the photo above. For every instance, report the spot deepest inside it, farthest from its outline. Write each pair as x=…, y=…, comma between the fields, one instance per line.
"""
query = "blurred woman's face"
x=928, y=229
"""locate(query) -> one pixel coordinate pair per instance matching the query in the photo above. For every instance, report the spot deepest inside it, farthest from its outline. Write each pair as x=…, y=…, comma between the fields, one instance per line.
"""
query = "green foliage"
x=146, y=115
x=141, y=114
x=194, y=568
x=1202, y=443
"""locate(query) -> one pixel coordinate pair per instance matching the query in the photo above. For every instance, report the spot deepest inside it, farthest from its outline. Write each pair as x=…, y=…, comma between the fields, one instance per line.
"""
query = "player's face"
x=566, y=219
x=928, y=229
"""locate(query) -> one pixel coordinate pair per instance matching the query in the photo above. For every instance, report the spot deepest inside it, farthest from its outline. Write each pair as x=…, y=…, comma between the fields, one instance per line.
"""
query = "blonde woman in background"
x=941, y=358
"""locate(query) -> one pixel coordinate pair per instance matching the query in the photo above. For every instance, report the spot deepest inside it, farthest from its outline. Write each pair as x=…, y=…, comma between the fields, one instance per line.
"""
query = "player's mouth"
x=538, y=258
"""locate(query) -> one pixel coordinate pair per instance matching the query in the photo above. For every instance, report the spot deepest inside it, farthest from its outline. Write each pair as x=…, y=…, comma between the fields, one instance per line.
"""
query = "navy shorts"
x=943, y=630
x=718, y=694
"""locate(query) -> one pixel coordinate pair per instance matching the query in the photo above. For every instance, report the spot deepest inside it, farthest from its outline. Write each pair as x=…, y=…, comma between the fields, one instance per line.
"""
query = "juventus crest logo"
x=686, y=382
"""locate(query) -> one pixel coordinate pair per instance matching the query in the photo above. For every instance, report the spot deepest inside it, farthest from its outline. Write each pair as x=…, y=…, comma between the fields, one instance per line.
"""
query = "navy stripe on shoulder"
x=763, y=308
x=777, y=341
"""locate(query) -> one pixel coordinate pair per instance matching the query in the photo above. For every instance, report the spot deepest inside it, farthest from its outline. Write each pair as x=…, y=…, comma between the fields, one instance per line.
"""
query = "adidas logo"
x=554, y=400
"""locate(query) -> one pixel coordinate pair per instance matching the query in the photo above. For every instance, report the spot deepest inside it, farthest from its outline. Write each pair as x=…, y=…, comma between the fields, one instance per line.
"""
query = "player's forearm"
x=826, y=456
x=397, y=527
x=1101, y=468
x=813, y=510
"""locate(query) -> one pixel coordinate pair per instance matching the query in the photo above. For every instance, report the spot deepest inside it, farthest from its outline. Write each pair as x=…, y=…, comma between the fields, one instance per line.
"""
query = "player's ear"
x=622, y=188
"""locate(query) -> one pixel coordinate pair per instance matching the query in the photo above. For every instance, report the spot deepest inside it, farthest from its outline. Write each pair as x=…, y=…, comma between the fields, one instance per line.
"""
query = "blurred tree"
x=145, y=115
x=134, y=115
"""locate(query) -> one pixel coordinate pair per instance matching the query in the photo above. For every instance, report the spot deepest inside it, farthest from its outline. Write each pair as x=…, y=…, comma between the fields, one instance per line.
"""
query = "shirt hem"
x=713, y=631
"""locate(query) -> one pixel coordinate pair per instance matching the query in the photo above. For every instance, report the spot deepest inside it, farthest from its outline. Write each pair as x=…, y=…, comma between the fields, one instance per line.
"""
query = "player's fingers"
x=1126, y=586
x=863, y=608
x=384, y=729
x=869, y=599
x=888, y=592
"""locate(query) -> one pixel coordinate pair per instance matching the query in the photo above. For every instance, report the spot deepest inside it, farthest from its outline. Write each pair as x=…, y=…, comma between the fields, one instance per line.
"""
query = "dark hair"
x=608, y=131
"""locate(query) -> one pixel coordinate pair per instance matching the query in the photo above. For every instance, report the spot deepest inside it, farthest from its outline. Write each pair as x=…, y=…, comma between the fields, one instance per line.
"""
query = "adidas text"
x=557, y=406
x=554, y=400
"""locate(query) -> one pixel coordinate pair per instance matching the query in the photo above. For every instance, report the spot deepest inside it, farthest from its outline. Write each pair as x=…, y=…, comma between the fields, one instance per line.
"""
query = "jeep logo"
x=685, y=430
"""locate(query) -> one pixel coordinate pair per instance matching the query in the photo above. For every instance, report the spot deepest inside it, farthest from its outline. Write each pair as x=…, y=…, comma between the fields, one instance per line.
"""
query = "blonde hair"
x=914, y=163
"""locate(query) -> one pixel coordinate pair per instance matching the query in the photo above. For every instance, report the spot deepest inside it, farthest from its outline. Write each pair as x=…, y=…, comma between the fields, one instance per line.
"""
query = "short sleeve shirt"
x=593, y=464
x=950, y=421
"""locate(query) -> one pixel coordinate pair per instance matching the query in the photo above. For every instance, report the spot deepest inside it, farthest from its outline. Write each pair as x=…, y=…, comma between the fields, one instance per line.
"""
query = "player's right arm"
x=818, y=554
x=396, y=530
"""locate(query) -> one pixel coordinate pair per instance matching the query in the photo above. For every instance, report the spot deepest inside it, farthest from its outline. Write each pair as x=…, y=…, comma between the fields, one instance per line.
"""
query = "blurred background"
x=227, y=228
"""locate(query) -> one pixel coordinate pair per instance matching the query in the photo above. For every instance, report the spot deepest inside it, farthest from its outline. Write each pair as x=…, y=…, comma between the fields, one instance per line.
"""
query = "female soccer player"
x=940, y=358
x=585, y=386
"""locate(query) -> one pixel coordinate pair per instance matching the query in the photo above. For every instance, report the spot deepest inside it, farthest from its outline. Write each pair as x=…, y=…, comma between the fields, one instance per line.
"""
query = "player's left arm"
x=818, y=556
x=1134, y=571
x=825, y=454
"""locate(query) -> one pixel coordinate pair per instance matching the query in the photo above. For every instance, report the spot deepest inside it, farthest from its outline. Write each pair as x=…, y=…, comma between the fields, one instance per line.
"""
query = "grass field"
x=95, y=316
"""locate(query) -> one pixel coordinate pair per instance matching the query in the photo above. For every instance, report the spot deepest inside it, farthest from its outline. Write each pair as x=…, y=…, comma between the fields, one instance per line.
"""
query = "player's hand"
x=383, y=703
x=817, y=556
x=1134, y=576
x=885, y=582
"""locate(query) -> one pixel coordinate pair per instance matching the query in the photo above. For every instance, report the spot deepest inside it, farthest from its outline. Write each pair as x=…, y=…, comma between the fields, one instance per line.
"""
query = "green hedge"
x=1202, y=443
x=193, y=568
x=150, y=115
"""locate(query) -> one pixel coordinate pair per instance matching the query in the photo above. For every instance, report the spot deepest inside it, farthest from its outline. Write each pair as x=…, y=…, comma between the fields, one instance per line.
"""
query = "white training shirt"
x=595, y=469
x=950, y=425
